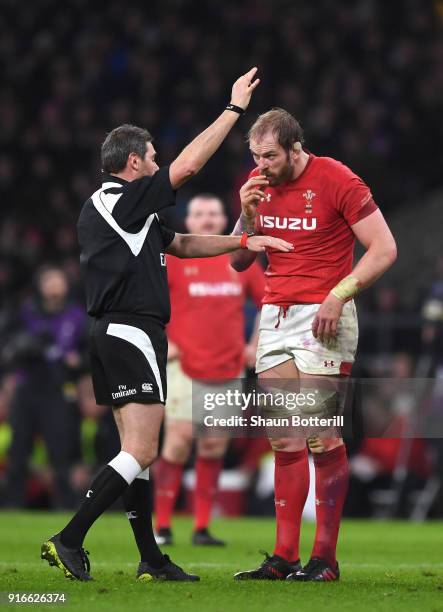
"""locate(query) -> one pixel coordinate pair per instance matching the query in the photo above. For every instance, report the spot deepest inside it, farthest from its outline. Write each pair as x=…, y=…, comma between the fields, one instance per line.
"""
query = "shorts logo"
x=328, y=364
x=123, y=392
x=147, y=387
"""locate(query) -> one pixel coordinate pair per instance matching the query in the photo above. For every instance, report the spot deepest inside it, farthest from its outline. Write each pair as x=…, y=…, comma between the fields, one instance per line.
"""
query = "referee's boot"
x=74, y=563
x=170, y=571
x=272, y=568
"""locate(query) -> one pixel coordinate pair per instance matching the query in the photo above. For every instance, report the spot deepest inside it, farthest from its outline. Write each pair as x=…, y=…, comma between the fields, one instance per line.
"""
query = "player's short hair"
x=207, y=195
x=120, y=143
x=282, y=124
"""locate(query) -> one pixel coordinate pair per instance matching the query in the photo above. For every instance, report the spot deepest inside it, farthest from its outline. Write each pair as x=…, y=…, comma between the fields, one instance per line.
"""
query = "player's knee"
x=287, y=444
x=177, y=451
x=318, y=445
x=212, y=448
x=277, y=444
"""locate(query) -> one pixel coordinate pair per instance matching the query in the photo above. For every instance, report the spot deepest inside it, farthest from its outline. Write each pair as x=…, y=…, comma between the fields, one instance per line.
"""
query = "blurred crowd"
x=364, y=77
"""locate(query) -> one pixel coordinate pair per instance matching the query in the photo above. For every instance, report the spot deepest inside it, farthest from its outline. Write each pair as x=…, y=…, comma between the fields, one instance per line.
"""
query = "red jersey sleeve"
x=171, y=268
x=353, y=198
x=171, y=329
x=255, y=283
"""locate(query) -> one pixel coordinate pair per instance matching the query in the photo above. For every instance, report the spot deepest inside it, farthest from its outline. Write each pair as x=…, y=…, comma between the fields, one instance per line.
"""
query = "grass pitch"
x=385, y=566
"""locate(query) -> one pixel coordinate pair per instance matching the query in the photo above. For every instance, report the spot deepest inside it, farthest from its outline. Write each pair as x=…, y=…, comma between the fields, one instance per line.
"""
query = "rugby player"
x=123, y=245
x=206, y=346
x=308, y=329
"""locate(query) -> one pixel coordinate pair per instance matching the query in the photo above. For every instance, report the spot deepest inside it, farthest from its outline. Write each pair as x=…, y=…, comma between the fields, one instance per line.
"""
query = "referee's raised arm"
x=195, y=155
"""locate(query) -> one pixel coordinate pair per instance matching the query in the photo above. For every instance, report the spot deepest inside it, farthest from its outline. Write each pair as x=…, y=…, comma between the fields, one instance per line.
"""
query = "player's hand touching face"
x=273, y=161
x=324, y=326
x=251, y=194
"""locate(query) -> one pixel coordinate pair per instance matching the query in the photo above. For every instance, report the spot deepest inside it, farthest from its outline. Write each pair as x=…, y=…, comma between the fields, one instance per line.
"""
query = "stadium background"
x=365, y=79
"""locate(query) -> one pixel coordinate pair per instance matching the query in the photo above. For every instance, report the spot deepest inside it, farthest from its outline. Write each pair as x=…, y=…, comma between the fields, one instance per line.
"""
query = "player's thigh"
x=283, y=378
x=180, y=386
x=177, y=442
x=271, y=348
x=332, y=357
x=287, y=373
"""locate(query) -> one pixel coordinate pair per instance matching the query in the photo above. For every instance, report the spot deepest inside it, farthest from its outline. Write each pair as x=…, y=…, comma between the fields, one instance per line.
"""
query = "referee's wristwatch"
x=244, y=239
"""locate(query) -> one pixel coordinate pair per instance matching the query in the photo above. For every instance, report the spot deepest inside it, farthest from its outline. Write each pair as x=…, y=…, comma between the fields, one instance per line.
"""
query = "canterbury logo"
x=291, y=223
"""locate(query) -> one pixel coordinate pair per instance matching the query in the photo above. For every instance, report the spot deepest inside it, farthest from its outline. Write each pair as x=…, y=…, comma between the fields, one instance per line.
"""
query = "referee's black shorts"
x=128, y=359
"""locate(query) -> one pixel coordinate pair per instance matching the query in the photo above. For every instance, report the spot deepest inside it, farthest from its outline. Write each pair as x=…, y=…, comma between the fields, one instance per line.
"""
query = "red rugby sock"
x=291, y=483
x=207, y=472
x=331, y=485
x=168, y=477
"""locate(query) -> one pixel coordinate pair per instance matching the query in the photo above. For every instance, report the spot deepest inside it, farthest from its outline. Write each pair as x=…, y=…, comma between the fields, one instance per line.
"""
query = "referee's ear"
x=133, y=162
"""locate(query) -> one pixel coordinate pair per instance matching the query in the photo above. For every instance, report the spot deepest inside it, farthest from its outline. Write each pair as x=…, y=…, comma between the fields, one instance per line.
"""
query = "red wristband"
x=244, y=239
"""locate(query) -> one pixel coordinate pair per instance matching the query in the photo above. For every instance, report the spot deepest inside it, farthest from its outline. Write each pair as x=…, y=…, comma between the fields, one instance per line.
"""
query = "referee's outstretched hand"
x=261, y=243
x=243, y=88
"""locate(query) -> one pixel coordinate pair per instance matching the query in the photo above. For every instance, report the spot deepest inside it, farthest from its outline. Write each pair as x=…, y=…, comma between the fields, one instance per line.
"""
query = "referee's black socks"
x=138, y=504
x=108, y=485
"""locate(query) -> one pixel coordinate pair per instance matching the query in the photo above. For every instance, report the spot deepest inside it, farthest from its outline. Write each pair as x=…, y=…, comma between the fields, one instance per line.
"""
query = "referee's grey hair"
x=120, y=143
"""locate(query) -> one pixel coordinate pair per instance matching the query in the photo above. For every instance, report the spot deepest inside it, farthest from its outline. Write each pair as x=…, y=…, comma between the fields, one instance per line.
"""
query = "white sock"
x=144, y=475
x=126, y=465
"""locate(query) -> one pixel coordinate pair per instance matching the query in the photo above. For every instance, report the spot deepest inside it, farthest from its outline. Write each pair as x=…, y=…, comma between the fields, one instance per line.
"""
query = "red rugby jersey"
x=207, y=320
x=315, y=213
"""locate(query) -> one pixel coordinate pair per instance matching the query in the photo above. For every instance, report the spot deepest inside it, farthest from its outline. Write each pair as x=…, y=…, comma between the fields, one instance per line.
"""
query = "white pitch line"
x=117, y=565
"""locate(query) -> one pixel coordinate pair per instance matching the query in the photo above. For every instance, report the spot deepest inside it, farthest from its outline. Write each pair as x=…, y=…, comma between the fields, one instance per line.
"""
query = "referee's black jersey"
x=123, y=244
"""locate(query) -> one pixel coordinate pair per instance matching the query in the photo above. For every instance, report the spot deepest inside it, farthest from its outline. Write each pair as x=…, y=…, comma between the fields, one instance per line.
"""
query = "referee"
x=123, y=245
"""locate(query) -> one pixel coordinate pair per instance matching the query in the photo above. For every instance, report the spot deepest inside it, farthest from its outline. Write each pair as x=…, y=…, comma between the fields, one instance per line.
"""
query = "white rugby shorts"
x=186, y=397
x=286, y=333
